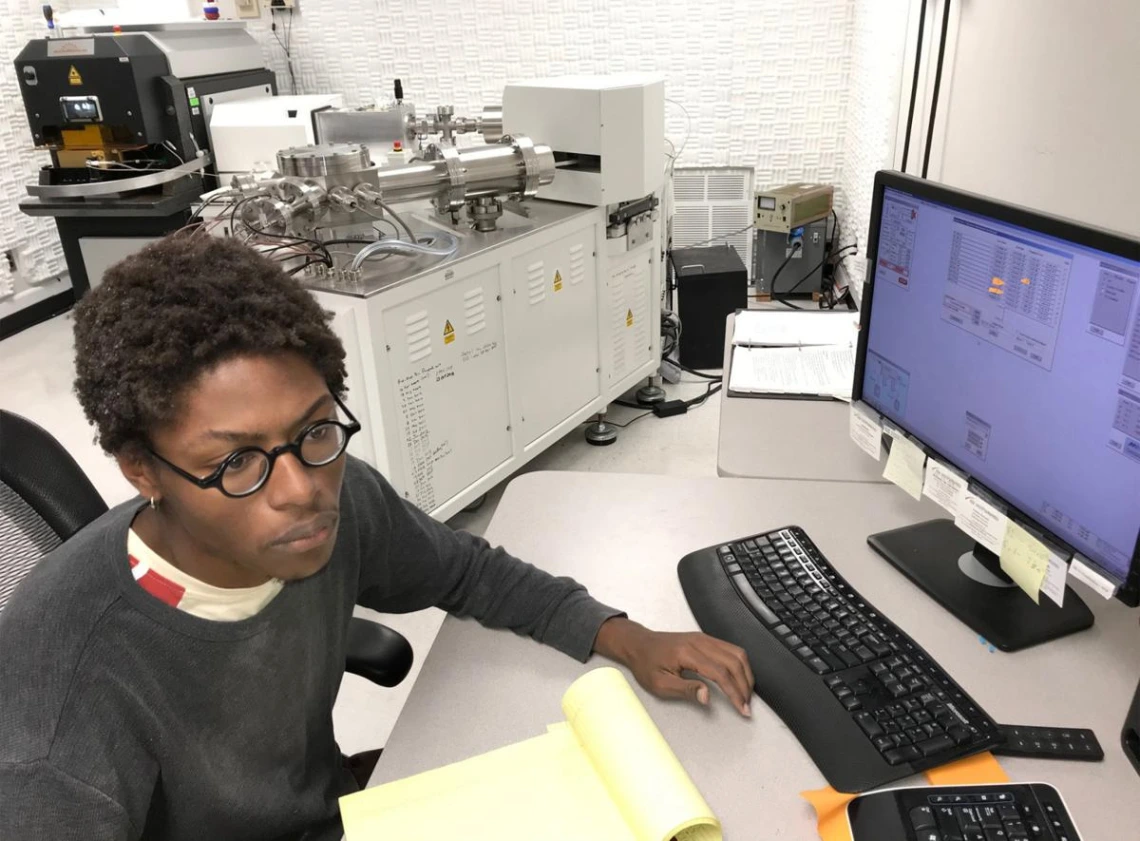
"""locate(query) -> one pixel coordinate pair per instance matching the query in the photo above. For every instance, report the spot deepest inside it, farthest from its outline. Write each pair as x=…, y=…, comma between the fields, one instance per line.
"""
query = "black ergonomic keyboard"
x=867, y=703
x=1002, y=812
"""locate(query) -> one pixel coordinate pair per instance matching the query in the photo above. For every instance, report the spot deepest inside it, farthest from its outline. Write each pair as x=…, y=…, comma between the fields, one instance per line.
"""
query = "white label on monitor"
x=1080, y=570
x=944, y=486
x=983, y=522
x=867, y=431
x=1055, y=576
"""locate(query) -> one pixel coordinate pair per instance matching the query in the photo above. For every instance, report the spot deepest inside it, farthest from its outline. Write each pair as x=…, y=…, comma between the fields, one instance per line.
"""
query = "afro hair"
x=166, y=315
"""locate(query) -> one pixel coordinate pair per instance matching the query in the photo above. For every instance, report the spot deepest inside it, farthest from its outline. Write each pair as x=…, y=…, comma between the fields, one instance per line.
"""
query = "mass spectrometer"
x=490, y=298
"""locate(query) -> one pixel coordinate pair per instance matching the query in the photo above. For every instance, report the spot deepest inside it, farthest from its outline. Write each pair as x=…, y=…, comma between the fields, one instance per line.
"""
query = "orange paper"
x=831, y=811
x=973, y=770
x=831, y=805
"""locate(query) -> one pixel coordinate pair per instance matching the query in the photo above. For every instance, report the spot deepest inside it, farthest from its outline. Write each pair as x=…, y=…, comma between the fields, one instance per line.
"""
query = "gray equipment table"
x=622, y=535
x=773, y=438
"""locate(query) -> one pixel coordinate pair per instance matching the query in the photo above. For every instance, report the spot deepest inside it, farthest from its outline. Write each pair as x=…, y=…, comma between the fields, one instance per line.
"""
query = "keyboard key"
x=754, y=601
x=883, y=743
x=901, y=755
x=936, y=745
x=929, y=835
x=834, y=664
x=868, y=724
x=991, y=817
x=818, y=666
x=793, y=640
x=922, y=817
x=804, y=652
x=865, y=654
x=851, y=704
x=834, y=681
x=961, y=735
x=1008, y=812
x=968, y=819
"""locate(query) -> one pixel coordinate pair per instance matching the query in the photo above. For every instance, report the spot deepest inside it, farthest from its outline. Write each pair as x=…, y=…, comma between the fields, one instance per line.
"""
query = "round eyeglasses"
x=245, y=471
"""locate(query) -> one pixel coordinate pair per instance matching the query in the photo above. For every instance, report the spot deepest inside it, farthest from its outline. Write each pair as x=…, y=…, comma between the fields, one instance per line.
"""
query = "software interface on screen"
x=1016, y=356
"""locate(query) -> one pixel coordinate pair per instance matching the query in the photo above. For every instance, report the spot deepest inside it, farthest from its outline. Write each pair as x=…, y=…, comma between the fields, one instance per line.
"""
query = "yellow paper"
x=1025, y=559
x=905, y=465
x=606, y=772
x=633, y=760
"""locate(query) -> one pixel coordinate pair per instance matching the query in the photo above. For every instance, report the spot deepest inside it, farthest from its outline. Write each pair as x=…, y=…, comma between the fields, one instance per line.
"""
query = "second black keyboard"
x=867, y=703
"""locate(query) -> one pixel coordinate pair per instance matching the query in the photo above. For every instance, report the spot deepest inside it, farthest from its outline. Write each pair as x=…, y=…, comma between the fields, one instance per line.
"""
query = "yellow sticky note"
x=905, y=465
x=1025, y=559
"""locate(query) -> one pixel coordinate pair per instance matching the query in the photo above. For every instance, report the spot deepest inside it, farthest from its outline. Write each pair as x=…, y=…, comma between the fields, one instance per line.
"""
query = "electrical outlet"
x=248, y=8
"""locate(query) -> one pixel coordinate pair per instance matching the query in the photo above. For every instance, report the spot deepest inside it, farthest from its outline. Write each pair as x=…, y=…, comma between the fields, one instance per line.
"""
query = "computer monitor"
x=1006, y=343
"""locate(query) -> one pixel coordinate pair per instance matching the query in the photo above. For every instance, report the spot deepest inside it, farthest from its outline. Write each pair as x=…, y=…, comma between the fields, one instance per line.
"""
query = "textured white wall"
x=767, y=83
x=878, y=40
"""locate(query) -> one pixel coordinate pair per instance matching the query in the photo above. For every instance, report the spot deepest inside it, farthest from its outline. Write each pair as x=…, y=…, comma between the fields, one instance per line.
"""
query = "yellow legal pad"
x=604, y=773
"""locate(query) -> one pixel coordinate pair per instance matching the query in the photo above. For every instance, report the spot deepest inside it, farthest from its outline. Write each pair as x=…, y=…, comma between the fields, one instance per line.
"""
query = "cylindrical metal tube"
x=491, y=123
x=421, y=180
x=318, y=161
x=495, y=169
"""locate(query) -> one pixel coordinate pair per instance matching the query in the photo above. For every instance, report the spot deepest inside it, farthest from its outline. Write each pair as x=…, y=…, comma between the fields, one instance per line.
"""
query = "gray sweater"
x=122, y=717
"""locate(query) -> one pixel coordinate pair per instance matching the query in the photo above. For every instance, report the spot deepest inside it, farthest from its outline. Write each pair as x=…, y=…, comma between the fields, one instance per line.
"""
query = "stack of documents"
x=794, y=354
x=604, y=773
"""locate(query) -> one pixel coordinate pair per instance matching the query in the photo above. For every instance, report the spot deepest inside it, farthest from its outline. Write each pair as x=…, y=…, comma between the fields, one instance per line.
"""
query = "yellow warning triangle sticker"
x=629, y=318
x=557, y=281
x=448, y=333
x=73, y=77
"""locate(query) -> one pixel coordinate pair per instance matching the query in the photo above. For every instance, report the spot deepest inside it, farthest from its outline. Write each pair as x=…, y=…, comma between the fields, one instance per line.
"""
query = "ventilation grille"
x=474, y=312
x=536, y=282
x=577, y=263
x=711, y=203
x=417, y=334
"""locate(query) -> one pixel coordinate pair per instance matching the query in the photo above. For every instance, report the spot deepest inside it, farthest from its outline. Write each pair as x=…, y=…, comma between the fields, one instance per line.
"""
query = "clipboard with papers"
x=794, y=355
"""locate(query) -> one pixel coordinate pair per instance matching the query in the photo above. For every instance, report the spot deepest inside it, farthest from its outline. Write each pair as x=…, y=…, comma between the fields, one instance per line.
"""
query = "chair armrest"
x=377, y=653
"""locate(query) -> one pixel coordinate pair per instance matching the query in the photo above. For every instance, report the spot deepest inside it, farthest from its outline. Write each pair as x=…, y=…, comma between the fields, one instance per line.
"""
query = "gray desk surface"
x=622, y=535
x=770, y=438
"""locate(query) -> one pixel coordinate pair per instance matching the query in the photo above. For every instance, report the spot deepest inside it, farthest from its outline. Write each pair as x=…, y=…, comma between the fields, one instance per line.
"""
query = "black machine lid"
x=711, y=259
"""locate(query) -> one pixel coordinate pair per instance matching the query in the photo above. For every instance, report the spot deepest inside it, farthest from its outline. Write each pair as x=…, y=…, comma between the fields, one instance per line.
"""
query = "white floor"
x=36, y=373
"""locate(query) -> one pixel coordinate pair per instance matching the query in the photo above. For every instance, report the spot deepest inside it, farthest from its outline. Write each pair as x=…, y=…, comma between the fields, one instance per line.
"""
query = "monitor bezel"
x=1055, y=226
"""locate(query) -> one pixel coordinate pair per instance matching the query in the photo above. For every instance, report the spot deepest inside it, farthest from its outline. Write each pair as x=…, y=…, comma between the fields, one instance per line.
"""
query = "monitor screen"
x=1016, y=357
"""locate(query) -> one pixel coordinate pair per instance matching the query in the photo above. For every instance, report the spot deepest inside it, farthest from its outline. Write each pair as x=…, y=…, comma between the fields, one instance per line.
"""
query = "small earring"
x=153, y=504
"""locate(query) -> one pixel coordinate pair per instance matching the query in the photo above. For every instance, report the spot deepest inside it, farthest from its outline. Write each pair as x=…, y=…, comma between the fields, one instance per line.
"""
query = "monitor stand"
x=967, y=580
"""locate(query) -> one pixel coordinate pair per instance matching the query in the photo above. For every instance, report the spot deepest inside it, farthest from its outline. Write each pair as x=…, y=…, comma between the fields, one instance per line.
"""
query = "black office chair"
x=45, y=498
